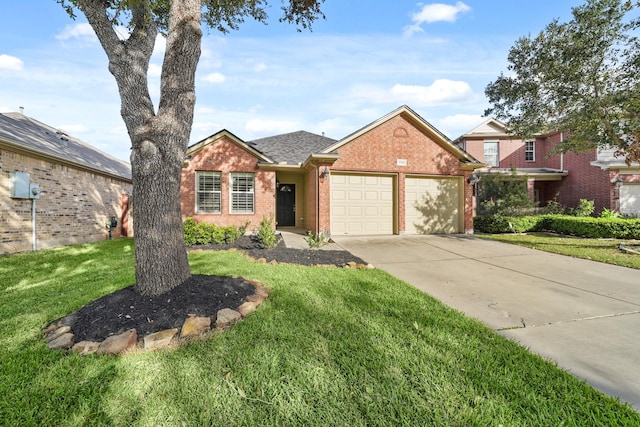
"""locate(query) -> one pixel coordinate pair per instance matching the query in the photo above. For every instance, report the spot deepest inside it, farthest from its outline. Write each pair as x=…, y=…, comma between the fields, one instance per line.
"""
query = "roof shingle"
x=20, y=130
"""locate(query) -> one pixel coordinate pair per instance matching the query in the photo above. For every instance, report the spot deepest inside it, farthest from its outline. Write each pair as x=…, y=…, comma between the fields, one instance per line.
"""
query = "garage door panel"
x=432, y=205
x=368, y=208
x=630, y=198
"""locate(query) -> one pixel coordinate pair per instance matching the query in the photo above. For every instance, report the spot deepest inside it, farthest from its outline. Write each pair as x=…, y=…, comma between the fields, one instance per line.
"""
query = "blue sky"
x=366, y=59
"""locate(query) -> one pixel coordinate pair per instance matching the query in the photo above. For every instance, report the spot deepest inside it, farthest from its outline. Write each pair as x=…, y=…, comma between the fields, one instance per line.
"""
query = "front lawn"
x=603, y=250
x=329, y=347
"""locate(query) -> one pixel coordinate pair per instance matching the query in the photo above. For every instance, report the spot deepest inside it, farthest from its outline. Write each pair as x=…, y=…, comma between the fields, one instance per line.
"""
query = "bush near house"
x=616, y=228
x=204, y=233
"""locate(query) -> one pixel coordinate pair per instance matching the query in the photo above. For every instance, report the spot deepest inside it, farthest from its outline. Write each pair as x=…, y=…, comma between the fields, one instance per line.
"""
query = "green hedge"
x=205, y=233
x=578, y=226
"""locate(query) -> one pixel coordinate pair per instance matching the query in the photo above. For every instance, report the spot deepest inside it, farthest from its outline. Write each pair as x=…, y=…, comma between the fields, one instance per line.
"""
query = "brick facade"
x=583, y=179
x=399, y=148
x=400, y=144
x=73, y=207
x=226, y=157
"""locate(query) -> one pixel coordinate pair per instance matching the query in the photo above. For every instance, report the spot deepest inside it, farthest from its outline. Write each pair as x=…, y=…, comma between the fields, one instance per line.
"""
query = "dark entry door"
x=286, y=205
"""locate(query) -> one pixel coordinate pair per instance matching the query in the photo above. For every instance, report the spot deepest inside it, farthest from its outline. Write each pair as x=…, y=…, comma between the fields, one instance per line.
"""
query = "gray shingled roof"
x=23, y=131
x=293, y=148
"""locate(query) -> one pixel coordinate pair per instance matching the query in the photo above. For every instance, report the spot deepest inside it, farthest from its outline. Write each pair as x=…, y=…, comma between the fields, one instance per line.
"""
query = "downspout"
x=317, y=180
x=562, y=153
x=33, y=223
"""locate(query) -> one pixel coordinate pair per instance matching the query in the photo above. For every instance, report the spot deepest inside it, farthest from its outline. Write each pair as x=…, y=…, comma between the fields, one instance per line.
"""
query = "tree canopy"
x=581, y=77
x=159, y=137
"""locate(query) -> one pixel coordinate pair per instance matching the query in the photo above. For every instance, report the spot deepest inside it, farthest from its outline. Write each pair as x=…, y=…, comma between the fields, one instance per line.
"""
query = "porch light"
x=618, y=182
x=473, y=179
x=325, y=172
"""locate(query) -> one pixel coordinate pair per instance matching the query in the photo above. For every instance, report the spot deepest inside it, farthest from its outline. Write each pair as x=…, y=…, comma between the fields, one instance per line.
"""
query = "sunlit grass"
x=602, y=250
x=328, y=347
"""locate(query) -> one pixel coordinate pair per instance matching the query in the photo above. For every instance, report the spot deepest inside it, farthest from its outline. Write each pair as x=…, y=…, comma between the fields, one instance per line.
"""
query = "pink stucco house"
x=395, y=175
x=594, y=175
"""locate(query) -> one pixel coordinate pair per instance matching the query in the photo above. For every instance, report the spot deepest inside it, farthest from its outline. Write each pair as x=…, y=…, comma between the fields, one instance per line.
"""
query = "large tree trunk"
x=159, y=141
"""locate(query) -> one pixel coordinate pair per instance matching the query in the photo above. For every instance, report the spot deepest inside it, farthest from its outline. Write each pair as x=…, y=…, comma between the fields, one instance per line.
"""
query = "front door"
x=286, y=205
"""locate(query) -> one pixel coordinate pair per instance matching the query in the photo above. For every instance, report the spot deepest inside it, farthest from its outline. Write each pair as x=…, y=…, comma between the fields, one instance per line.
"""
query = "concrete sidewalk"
x=295, y=238
x=581, y=314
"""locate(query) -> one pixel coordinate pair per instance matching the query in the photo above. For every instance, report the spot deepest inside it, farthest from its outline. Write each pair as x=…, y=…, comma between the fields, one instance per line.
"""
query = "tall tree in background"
x=159, y=138
x=581, y=77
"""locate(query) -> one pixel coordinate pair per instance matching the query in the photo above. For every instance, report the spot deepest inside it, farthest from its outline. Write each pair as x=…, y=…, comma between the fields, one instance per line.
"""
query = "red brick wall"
x=380, y=149
x=74, y=204
x=226, y=157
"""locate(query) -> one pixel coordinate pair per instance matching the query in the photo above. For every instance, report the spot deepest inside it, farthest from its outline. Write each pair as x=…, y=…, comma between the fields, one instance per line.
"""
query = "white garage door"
x=361, y=204
x=432, y=205
x=630, y=198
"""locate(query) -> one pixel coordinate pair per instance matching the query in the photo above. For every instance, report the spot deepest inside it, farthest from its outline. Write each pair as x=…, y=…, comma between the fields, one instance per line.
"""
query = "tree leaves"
x=580, y=77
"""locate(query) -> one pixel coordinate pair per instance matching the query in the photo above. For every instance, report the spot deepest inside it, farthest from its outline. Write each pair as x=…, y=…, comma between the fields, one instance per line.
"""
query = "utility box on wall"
x=19, y=187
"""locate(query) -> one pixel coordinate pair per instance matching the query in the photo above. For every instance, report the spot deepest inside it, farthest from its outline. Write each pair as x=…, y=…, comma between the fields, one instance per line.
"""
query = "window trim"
x=531, y=151
x=497, y=155
x=198, y=191
x=232, y=193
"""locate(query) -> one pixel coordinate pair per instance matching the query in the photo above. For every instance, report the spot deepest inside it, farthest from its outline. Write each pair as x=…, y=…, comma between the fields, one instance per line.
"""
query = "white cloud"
x=155, y=70
x=435, y=12
x=160, y=46
x=8, y=62
x=270, y=126
x=77, y=31
x=214, y=78
x=442, y=91
x=260, y=67
x=458, y=124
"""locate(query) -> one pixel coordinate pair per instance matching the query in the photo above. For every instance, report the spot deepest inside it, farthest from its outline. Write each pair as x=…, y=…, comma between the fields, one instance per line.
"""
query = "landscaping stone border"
x=60, y=336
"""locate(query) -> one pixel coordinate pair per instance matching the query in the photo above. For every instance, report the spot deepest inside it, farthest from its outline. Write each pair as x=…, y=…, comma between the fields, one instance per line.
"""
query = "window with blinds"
x=242, y=193
x=208, y=192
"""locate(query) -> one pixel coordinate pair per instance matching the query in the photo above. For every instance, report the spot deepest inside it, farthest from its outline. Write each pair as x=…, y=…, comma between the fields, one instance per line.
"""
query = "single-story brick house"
x=78, y=188
x=593, y=175
x=396, y=175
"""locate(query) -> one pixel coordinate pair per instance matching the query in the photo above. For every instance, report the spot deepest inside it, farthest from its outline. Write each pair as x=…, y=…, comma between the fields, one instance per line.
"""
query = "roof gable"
x=418, y=122
x=249, y=147
x=292, y=148
x=488, y=128
x=24, y=133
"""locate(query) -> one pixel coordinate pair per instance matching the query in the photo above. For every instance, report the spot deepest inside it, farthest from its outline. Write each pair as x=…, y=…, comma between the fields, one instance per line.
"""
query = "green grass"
x=602, y=250
x=329, y=347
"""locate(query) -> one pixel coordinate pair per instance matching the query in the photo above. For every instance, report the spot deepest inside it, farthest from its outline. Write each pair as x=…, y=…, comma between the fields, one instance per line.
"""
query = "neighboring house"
x=396, y=175
x=594, y=175
x=75, y=188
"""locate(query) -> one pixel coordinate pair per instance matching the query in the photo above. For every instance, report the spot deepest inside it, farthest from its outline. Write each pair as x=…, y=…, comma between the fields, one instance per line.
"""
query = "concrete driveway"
x=581, y=314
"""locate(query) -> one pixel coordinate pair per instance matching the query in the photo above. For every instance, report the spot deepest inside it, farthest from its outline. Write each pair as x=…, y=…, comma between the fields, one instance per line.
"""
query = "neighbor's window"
x=491, y=153
x=530, y=151
x=242, y=194
x=208, y=192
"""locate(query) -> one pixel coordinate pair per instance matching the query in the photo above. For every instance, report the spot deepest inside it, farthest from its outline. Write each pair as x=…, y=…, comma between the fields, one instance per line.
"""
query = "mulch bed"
x=200, y=295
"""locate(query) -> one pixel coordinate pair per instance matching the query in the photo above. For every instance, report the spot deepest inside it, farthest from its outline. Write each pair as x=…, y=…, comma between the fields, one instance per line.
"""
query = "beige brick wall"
x=74, y=204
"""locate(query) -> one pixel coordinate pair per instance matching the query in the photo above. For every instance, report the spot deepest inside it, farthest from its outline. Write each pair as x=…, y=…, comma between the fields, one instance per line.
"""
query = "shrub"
x=316, y=241
x=508, y=224
x=553, y=207
x=267, y=233
x=205, y=233
x=578, y=226
x=503, y=194
x=189, y=228
x=609, y=213
x=584, y=208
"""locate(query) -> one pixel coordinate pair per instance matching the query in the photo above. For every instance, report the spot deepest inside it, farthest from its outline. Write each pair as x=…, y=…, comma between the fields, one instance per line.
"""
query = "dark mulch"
x=200, y=295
